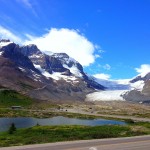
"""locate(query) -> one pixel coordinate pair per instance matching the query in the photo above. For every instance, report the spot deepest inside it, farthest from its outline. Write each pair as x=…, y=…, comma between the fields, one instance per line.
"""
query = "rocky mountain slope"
x=141, y=94
x=46, y=77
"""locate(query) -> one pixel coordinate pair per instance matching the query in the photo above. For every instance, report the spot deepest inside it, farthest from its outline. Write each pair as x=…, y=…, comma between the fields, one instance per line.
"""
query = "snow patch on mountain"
x=59, y=76
x=68, y=63
x=63, y=56
x=35, y=56
x=137, y=85
x=55, y=75
x=74, y=70
x=22, y=69
x=1, y=53
x=108, y=95
x=45, y=73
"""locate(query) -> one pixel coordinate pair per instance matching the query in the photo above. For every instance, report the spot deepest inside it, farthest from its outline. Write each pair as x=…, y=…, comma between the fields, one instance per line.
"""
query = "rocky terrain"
x=140, y=95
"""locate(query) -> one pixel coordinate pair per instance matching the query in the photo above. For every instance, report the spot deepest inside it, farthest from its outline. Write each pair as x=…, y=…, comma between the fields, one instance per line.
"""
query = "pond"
x=25, y=122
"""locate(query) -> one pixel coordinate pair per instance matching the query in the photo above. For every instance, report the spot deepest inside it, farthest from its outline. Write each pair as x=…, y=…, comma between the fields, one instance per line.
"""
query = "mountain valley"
x=57, y=77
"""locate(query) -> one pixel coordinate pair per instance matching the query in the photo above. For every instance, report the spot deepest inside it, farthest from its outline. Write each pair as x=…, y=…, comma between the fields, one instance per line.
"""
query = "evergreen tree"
x=12, y=129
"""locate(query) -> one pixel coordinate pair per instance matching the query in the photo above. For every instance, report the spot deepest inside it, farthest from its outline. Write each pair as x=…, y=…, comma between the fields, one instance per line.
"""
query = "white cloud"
x=102, y=76
x=6, y=34
x=107, y=67
x=69, y=41
x=143, y=70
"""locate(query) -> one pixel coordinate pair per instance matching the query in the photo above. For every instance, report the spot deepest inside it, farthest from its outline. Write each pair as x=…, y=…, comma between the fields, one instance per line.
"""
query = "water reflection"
x=25, y=122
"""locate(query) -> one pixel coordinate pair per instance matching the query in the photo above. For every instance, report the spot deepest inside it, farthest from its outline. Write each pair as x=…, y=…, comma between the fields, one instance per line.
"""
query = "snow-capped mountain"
x=141, y=93
x=56, y=76
x=70, y=63
x=58, y=66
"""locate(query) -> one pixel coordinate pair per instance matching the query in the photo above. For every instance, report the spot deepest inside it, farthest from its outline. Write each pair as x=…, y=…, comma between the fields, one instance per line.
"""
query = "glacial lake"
x=26, y=122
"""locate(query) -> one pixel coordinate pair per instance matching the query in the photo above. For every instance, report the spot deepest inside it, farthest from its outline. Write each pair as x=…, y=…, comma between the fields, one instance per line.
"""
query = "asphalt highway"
x=130, y=143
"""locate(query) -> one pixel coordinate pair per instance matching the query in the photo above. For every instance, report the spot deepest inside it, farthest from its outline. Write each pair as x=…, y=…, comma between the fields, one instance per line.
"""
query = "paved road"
x=132, y=143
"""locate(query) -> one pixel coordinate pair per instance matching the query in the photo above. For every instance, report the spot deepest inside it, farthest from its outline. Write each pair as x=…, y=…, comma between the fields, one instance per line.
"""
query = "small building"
x=16, y=107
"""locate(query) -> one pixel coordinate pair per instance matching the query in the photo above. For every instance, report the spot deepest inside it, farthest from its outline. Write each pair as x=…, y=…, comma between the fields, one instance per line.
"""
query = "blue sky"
x=109, y=38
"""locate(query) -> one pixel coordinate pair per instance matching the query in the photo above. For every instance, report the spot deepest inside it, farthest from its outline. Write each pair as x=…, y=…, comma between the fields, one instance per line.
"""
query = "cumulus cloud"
x=69, y=41
x=102, y=76
x=143, y=69
x=6, y=34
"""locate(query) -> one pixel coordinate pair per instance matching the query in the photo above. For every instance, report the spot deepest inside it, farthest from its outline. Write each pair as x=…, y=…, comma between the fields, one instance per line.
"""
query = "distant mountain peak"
x=144, y=77
x=61, y=55
x=30, y=50
x=64, y=57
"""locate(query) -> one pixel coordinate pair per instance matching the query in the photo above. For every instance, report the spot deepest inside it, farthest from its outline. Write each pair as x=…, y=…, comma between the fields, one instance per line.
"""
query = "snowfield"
x=115, y=88
x=110, y=95
x=56, y=75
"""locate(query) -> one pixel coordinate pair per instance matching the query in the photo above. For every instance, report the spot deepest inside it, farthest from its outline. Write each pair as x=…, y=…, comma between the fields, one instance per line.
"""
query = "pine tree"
x=12, y=129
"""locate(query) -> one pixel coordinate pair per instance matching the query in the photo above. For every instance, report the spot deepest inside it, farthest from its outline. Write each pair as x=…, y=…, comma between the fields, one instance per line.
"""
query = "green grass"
x=4, y=112
x=10, y=98
x=46, y=134
x=143, y=124
x=13, y=113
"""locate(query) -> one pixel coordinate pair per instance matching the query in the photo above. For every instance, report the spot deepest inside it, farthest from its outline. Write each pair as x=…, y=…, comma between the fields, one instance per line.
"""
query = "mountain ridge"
x=59, y=77
x=52, y=77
